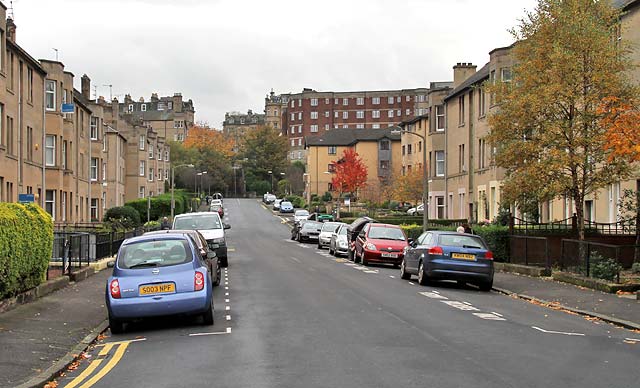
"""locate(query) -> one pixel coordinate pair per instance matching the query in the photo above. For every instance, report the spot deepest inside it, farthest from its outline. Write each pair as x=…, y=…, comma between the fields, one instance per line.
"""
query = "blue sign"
x=26, y=198
x=68, y=108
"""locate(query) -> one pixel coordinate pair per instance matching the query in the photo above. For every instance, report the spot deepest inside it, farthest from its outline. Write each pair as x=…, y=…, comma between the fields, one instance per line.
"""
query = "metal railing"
x=519, y=226
x=592, y=259
x=529, y=250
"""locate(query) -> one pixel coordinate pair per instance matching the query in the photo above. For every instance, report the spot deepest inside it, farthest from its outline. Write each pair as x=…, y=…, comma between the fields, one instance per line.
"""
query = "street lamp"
x=425, y=181
x=200, y=174
x=173, y=185
x=271, y=174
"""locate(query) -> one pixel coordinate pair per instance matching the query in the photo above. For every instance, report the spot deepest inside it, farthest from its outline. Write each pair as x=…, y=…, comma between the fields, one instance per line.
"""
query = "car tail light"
x=198, y=281
x=436, y=251
x=488, y=255
x=114, y=288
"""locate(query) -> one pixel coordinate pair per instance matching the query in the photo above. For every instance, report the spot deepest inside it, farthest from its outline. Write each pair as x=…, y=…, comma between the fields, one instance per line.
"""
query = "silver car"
x=338, y=243
x=325, y=233
x=300, y=215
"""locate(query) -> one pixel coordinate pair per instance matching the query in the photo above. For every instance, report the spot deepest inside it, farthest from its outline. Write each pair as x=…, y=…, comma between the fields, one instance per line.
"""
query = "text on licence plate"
x=161, y=288
x=392, y=255
x=464, y=256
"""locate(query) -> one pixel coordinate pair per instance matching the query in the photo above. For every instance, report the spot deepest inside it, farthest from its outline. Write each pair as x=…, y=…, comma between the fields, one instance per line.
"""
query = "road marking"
x=226, y=294
x=231, y=249
x=432, y=295
x=370, y=271
x=633, y=339
x=350, y=264
x=226, y=283
x=94, y=364
x=412, y=283
x=392, y=277
x=489, y=316
x=303, y=246
x=110, y=344
x=467, y=303
x=226, y=301
x=117, y=356
x=213, y=333
x=498, y=314
x=435, y=291
x=226, y=288
x=296, y=260
x=228, y=317
x=227, y=308
x=339, y=260
x=556, y=332
x=459, y=305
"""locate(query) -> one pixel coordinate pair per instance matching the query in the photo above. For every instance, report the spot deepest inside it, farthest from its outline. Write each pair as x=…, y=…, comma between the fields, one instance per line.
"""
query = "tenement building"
x=237, y=125
x=169, y=116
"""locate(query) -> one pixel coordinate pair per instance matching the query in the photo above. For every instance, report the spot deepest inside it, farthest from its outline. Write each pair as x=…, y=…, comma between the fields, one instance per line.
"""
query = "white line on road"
x=556, y=332
x=227, y=308
x=226, y=288
x=350, y=264
x=226, y=294
x=392, y=277
x=122, y=342
x=226, y=283
x=228, y=317
x=432, y=295
x=296, y=260
x=216, y=333
x=633, y=339
x=498, y=314
x=459, y=305
x=370, y=271
x=412, y=283
x=488, y=316
x=435, y=291
x=226, y=300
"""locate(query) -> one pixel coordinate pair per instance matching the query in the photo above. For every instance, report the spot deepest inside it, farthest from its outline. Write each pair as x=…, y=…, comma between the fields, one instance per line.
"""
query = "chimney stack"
x=11, y=30
x=85, y=86
x=177, y=102
x=462, y=71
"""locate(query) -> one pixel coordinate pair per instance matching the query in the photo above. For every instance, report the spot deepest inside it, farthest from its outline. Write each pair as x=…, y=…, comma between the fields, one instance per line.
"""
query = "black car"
x=309, y=231
x=353, y=230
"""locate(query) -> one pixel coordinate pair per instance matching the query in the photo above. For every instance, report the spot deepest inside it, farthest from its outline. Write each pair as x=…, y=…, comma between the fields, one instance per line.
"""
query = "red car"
x=380, y=243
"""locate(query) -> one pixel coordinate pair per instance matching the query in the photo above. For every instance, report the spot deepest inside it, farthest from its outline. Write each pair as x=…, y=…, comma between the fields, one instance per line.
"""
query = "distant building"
x=274, y=105
x=237, y=125
x=169, y=116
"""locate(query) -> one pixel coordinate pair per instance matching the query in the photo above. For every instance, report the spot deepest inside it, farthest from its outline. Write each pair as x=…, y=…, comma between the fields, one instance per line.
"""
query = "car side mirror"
x=410, y=241
x=111, y=264
x=227, y=226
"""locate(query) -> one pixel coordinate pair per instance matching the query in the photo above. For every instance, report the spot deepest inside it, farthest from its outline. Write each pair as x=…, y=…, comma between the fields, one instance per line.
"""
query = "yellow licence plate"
x=161, y=288
x=464, y=256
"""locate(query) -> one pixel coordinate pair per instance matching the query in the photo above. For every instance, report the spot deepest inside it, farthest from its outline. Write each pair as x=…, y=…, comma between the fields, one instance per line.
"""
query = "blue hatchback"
x=438, y=255
x=158, y=275
x=286, y=207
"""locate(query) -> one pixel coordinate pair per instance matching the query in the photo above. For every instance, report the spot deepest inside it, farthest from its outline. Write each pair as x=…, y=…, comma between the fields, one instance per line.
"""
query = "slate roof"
x=348, y=136
x=479, y=75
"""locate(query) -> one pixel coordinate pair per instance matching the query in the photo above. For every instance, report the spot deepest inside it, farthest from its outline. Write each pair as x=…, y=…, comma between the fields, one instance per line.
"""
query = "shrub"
x=497, y=238
x=160, y=205
x=327, y=197
x=604, y=268
x=296, y=201
x=152, y=225
x=635, y=268
x=122, y=216
x=412, y=231
x=26, y=243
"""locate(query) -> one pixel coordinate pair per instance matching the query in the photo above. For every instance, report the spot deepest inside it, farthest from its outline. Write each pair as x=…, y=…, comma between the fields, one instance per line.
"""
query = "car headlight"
x=342, y=244
x=370, y=247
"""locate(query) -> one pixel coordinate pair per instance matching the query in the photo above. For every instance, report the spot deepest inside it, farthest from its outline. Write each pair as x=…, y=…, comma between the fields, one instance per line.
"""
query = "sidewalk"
x=34, y=336
x=610, y=307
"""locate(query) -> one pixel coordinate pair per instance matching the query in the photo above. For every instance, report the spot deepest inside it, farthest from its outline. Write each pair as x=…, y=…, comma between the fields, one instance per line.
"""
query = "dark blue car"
x=438, y=255
x=158, y=275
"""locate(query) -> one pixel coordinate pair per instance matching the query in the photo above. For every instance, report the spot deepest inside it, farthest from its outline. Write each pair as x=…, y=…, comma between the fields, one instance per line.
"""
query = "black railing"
x=594, y=259
x=529, y=250
x=519, y=226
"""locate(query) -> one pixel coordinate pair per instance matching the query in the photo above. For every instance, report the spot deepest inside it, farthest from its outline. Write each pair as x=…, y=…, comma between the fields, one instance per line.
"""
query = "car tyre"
x=218, y=275
x=207, y=316
x=116, y=326
x=423, y=279
x=224, y=261
x=403, y=272
x=486, y=286
x=319, y=245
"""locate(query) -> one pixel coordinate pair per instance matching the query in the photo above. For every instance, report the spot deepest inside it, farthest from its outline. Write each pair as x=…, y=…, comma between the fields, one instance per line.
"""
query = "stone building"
x=237, y=125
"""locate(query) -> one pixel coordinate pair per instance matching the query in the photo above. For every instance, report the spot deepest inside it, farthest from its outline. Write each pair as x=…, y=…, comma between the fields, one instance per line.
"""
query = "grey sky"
x=226, y=55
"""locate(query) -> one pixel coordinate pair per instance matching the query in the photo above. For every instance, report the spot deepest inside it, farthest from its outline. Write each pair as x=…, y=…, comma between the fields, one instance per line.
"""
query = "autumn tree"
x=205, y=138
x=350, y=173
x=548, y=127
x=264, y=150
x=408, y=187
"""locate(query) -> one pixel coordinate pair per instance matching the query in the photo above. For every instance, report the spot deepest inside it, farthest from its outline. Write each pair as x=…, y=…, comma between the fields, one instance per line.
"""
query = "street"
x=289, y=315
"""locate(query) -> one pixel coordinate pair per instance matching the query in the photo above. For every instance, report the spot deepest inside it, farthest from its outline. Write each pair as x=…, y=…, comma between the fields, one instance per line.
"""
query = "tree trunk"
x=579, y=202
x=636, y=256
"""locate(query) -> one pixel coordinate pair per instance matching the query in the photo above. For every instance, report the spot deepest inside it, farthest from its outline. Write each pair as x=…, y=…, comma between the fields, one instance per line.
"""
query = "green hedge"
x=160, y=205
x=26, y=243
x=125, y=216
x=296, y=200
x=497, y=237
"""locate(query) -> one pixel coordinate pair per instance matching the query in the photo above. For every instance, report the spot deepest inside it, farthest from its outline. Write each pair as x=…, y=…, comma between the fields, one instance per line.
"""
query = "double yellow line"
x=120, y=347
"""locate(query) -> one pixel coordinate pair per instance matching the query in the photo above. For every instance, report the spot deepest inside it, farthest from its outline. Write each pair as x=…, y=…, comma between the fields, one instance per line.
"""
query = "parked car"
x=449, y=256
x=268, y=198
x=352, y=233
x=158, y=275
x=320, y=217
x=212, y=228
x=338, y=244
x=286, y=207
x=218, y=196
x=208, y=255
x=325, y=233
x=308, y=231
x=276, y=204
x=419, y=210
x=215, y=201
x=218, y=209
x=300, y=215
x=380, y=243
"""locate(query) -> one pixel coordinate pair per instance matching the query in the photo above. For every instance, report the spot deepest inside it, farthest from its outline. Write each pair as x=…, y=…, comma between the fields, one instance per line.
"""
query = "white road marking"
x=435, y=291
x=432, y=295
x=412, y=283
x=215, y=333
x=228, y=317
x=350, y=264
x=459, y=305
x=226, y=300
x=392, y=277
x=556, y=332
x=226, y=283
x=122, y=342
x=294, y=259
x=633, y=339
x=489, y=316
x=498, y=314
x=303, y=246
x=370, y=271
x=226, y=294
x=228, y=330
x=467, y=303
x=227, y=308
x=226, y=288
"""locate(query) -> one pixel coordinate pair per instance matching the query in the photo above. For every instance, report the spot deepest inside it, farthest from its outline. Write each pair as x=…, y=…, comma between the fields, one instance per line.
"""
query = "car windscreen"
x=462, y=241
x=155, y=253
x=286, y=204
x=302, y=213
x=198, y=222
x=311, y=225
x=379, y=233
x=330, y=226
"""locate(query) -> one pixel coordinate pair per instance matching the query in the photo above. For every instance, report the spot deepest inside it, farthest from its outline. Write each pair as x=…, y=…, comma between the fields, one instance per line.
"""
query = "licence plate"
x=463, y=256
x=162, y=288
x=392, y=255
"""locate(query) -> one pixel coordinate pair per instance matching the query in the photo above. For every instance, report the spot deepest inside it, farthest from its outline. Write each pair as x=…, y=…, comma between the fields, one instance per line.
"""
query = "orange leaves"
x=622, y=123
x=203, y=138
x=350, y=173
x=408, y=187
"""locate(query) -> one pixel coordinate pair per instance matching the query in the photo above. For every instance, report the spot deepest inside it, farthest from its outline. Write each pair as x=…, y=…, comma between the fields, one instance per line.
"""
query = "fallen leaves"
x=51, y=384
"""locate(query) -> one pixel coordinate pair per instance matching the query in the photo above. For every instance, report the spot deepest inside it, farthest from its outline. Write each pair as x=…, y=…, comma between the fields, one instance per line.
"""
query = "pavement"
x=42, y=337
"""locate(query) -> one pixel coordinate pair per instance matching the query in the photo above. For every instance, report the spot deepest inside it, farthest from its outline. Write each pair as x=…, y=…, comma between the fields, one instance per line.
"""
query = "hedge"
x=160, y=205
x=296, y=200
x=26, y=243
x=126, y=216
x=497, y=238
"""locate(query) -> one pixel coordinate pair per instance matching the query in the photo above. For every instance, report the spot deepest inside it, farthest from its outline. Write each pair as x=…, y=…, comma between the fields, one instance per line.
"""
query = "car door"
x=410, y=259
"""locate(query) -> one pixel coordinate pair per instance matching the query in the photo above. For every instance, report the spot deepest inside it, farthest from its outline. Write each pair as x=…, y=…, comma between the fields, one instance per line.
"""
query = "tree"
x=265, y=149
x=548, y=127
x=350, y=173
x=408, y=187
x=205, y=138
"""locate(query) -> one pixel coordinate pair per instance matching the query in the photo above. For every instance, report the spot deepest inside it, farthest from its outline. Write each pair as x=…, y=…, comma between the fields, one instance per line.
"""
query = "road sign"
x=347, y=201
x=67, y=108
x=26, y=198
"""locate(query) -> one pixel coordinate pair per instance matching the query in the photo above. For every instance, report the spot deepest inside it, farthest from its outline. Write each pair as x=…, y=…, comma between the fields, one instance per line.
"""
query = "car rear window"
x=462, y=241
x=156, y=253
x=198, y=222
x=311, y=225
x=302, y=213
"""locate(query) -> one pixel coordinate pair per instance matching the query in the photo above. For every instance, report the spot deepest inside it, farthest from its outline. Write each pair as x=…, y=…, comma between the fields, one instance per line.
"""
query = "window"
x=481, y=103
x=143, y=107
x=408, y=98
x=332, y=150
x=419, y=146
x=50, y=203
x=104, y=200
x=1, y=124
x=505, y=74
x=104, y=171
x=403, y=150
x=93, y=128
x=331, y=167
x=326, y=101
x=50, y=95
x=421, y=98
x=335, y=126
x=359, y=126
x=409, y=149
x=384, y=165
x=360, y=114
x=345, y=115
x=293, y=129
x=94, y=169
x=440, y=207
x=142, y=168
x=94, y=209
x=375, y=100
x=159, y=174
x=481, y=153
x=461, y=110
x=130, y=107
x=299, y=154
x=299, y=128
x=141, y=142
x=50, y=150
x=399, y=112
x=29, y=143
x=104, y=142
x=336, y=101
x=150, y=177
x=492, y=81
x=375, y=114
x=314, y=128
x=293, y=142
x=345, y=126
x=375, y=126
x=360, y=101
x=384, y=145
x=29, y=84
x=461, y=164
x=407, y=112
x=299, y=115
x=314, y=115
x=314, y=102
x=178, y=124
x=390, y=114
x=293, y=116
x=64, y=154
x=335, y=114
x=166, y=155
x=10, y=135
x=166, y=174
x=293, y=103
x=439, y=118
x=150, y=151
x=141, y=192
x=439, y=163
x=326, y=113
x=326, y=127
x=345, y=101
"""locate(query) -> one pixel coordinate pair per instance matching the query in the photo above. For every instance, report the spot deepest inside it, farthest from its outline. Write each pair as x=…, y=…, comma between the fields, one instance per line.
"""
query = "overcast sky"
x=226, y=55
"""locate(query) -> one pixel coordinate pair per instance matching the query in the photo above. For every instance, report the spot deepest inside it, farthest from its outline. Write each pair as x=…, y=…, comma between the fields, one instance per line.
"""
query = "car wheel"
x=224, y=261
x=486, y=286
x=319, y=245
x=422, y=276
x=218, y=274
x=403, y=272
x=116, y=326
x=207, y=316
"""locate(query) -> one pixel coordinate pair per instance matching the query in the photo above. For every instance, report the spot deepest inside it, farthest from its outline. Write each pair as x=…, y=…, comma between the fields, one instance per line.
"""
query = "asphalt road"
x=292, y=316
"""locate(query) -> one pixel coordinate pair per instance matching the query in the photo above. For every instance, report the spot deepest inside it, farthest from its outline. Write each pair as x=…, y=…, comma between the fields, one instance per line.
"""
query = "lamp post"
x=425, y=181
x=173, y=185
x=200, y=174
x=271, y=174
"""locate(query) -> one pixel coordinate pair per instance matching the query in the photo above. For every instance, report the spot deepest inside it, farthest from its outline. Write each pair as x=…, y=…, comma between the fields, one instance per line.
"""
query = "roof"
x=78, y=97
x=477, y=77
x=347, y=136
x=26, y=55
x=414, y=120
x=153, y=115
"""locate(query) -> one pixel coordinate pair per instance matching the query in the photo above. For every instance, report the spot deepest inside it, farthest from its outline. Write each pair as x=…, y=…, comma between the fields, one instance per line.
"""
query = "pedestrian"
x=165, y=225
x=467, y=228
x=460, y=229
